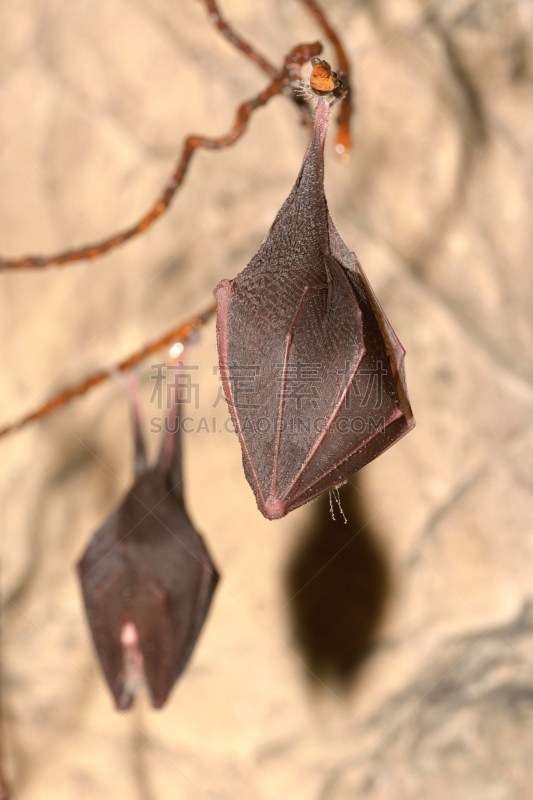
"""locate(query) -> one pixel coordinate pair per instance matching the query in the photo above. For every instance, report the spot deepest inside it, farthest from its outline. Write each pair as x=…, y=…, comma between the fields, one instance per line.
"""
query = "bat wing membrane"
x=103, y=580
x=312, y=370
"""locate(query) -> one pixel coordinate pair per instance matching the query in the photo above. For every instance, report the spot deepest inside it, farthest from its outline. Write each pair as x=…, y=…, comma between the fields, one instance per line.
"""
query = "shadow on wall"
x=338, y=580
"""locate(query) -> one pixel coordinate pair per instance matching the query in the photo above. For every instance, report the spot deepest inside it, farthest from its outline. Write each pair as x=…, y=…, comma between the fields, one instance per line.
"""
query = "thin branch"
x=281, y=83
x=344, y=142
x=298, y=56
x=237, y=41
x=253, y=55
x=182, y=333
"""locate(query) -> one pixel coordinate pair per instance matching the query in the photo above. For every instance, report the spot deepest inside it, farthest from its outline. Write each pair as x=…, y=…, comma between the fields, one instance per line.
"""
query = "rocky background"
x=391, y=657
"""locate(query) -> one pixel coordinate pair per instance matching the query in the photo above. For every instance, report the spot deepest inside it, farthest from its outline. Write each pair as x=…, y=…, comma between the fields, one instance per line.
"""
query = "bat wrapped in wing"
x=312, y=370
x=147, y=579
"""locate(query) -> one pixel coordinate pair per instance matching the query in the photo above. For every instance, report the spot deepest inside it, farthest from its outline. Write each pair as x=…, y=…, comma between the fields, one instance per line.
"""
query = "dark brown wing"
x=147, y=580
x=103, y=582
x=173, y=580
x=304, y=354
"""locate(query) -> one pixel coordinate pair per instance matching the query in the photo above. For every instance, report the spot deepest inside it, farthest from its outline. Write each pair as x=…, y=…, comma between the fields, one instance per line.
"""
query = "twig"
x=237, y=41
x=182, y=333
x=298, y=56
x=253, y=55
x=281, y=83
x=344, y=142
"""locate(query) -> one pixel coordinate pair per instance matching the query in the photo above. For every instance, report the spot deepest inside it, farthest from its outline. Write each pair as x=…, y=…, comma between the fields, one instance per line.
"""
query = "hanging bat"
x=147, y=578
x=312, y=370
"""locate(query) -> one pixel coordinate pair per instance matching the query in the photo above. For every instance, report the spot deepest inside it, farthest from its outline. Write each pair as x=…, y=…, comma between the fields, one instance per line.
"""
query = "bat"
x=312, y=370
x=147, y=578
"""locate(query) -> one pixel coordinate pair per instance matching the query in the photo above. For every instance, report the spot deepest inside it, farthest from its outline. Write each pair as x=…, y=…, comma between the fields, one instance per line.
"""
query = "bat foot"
x=320, y=82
